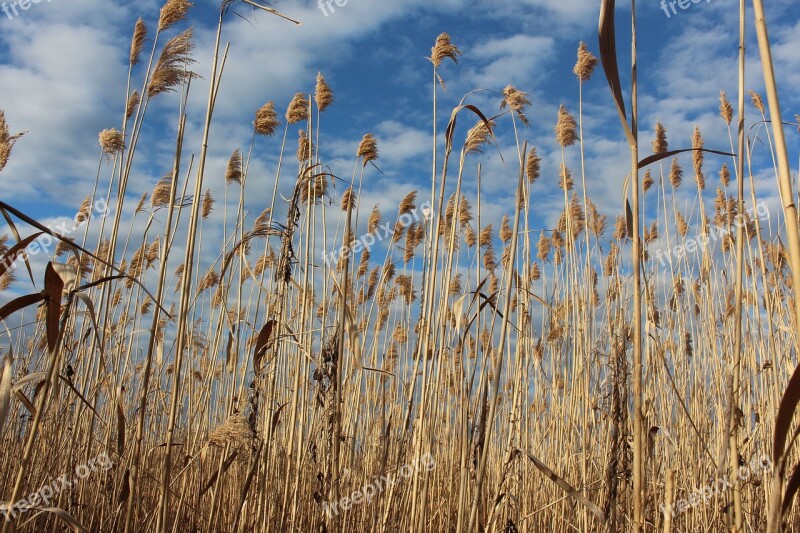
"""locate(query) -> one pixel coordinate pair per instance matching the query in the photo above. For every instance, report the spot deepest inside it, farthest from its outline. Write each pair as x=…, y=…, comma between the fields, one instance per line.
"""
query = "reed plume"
x=323, y=95
x=266, y=121
x=173, y=12
x=586, y=63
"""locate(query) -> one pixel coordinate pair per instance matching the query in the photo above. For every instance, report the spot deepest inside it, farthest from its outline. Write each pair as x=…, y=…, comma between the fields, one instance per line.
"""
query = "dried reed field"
x=415, y=367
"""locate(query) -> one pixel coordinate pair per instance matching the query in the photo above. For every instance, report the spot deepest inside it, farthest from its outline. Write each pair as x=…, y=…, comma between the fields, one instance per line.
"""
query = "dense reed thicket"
x=329, y=366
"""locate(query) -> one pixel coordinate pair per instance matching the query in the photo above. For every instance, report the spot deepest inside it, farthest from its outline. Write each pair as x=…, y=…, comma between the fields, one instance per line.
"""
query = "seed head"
x=139, y=35
x=208, y=204
x=6, y=141
x=477, y=136
x=675, y=173
x=323, y=94
x=161, y=193
x=533, y=166
x=112, y=141
x=516, y=100
x=133, y=103
x=444, y=49
x=170, y=70
x=725, y=108
x=266, y=120
x=565, y=128
x=725, y=175
x=660, y=144
x=298, y=109
x=758, y=103
x=173, y=12
x=697, y=158
x=368, y=149
x=233, y=171
x=586, y=63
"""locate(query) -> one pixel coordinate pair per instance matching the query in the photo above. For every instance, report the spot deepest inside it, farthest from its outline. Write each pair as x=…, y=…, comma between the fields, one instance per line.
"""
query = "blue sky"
x=63, y=66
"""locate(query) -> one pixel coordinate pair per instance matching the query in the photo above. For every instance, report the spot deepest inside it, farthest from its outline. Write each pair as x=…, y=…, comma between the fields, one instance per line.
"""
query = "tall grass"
x=462, y=374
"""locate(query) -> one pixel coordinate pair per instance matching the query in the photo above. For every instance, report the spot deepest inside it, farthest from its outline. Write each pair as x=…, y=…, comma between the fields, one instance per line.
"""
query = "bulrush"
x=173, y=12
x=112, y=141
x=516, y=101
x=565, y=128
x=444, y=48
x=266, y=121
x=323, y=95
x=586, y=63
x=298, y=109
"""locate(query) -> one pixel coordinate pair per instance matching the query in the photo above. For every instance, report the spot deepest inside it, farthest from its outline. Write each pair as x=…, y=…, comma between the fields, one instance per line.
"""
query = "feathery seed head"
x=368, y=149
x=348, y=199
x=112, y=141
x=477, y=136
x=660, y=144
x=208, y=204
x=697, y=158
x=758, y=103
x=170, y=69
x=173, y=12
x=675, y=173
x=725, y=108
x=516, y=100
x=725, y=175
x=407, y=204
x=444, y=48
x=566, y=128
x=323, y=94
x=298, y=109
x=233, y=171
x=266, y=120
x=533, y=166
x=139, y=35
x=161, y=192
x=133, y=103
x=647, y=181
x=586, y=63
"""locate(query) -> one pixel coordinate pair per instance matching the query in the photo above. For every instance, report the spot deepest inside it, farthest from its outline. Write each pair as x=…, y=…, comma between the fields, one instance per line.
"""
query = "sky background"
x=64, y=64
